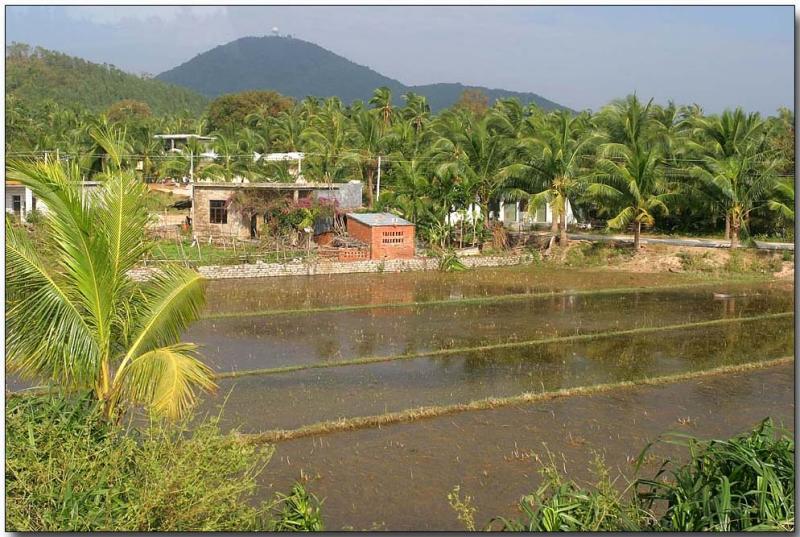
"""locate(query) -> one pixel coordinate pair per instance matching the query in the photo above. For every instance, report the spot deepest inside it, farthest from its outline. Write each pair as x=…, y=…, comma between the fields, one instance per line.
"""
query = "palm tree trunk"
x=727, y=226
x=370, y=195
x=735, y=225
x=637, y=233
x=563, y=227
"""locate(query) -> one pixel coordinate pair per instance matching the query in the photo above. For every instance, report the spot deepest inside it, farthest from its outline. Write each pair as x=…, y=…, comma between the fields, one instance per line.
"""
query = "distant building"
x=516, y=215
x=175, y=143
x=20, y=200
x=214, y=215
x=387, y=235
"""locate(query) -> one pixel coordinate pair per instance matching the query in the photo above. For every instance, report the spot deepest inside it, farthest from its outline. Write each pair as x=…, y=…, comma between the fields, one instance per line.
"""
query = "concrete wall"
x=322, y=267
x=202, y=228
x=348, y=195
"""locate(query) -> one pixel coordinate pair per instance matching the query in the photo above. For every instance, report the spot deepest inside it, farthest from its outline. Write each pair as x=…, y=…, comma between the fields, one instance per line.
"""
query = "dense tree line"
x=633, y=164
x=37, y=76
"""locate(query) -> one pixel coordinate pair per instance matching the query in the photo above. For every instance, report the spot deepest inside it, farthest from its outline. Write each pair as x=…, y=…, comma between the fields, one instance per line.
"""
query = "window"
x=393, y=237
x=33, y=203
x=16, y=204
x=217, y=211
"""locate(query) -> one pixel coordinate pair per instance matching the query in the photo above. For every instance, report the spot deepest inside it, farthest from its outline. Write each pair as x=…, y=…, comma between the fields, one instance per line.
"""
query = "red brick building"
x=388, y=236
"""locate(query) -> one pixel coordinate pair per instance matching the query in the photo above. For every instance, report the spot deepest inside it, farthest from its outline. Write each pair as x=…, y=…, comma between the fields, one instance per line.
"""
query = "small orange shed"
x=388, y=236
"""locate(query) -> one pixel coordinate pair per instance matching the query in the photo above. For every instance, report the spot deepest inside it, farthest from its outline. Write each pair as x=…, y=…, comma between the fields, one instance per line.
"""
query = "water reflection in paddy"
x=292, y=400
x=299, y=292
x=398, y=477
x=242, y=343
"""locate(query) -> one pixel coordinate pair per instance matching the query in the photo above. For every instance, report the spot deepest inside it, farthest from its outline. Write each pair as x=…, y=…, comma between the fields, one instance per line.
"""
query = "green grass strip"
x=414, y=414
x=494, y=346
x=482, y=299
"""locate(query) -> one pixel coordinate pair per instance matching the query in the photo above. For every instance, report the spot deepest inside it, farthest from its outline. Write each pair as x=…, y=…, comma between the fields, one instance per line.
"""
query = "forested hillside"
x=35, y=75
x=298, y=69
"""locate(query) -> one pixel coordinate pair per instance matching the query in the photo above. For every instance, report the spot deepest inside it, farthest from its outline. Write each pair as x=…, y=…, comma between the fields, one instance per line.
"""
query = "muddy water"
x=398, y=477
x=290, y=400
x=299, y=292
x=243, y=343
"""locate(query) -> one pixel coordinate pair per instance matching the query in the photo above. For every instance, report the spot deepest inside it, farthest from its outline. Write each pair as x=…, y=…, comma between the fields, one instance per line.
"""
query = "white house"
x=20, y=200
x=515, y=214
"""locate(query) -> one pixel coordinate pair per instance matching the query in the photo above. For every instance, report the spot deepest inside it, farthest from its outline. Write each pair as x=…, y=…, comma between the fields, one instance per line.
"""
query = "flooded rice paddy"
x=292, y=293
x=310, y=350
x=291, y=400
x=270, y=341
x=398, y=477
x=297, y=351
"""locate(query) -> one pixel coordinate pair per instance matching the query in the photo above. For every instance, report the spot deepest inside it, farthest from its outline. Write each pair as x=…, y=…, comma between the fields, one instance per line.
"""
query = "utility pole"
x=191, y=166
x=378, y=196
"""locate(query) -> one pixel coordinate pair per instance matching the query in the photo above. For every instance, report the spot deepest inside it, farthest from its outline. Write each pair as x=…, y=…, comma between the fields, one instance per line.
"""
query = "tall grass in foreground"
x=745, y=483
x=68, y=469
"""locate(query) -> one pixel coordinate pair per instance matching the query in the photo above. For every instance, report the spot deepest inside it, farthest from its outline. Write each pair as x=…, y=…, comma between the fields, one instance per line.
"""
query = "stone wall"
x=266, y=270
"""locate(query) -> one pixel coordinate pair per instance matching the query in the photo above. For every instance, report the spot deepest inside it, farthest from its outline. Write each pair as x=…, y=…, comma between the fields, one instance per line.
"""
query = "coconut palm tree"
x=367, y=143
x=740, y=184
x=550, y=168
x=79, y=320
x=382, y=101
x=473, y=157
x=737, y=170
x=326, y=140
x=630, y=181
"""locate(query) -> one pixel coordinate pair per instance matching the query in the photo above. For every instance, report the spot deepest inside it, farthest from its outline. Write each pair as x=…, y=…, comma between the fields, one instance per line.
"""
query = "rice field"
x=350, y=371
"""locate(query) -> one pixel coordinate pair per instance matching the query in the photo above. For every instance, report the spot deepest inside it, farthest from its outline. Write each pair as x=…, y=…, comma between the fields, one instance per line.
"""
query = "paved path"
x=697, y=243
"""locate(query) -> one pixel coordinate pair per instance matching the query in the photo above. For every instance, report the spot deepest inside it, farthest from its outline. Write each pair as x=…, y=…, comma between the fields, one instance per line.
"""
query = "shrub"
x=297, y=511
x=745, y=483
x=736, y=262
x=560, y=505
x=68, y=469
x=449, y=262
x=695, y=263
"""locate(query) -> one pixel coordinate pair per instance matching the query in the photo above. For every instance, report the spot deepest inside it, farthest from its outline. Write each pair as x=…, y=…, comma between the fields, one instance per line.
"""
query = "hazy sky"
x=581, y=57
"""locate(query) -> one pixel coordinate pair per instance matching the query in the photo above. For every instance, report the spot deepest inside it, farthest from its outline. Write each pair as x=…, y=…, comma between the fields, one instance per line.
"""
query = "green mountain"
x=37, y=75
x=298, y=69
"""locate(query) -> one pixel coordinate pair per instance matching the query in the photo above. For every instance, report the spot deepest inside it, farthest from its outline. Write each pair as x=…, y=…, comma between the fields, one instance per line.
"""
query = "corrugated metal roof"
x=379, y=219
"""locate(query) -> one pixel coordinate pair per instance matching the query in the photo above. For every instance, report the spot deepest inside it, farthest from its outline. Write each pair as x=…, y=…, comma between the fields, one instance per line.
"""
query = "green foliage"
x=68, y=469
x=745, y=483
x=78, y=320
x=701, y=262
x=561, y=505
x=39, y=75
x=229, y=111
x=449, y=262
x=297, y=511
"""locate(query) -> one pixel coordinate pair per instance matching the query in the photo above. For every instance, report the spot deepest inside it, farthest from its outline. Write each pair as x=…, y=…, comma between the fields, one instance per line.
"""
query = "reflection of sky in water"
x=294, y=399
x=243, y=343
x=354, y=289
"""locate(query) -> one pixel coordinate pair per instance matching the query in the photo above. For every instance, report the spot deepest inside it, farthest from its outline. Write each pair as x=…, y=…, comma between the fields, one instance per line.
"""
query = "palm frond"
x=172, y=300
x=46, y=332
x=165, y=380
